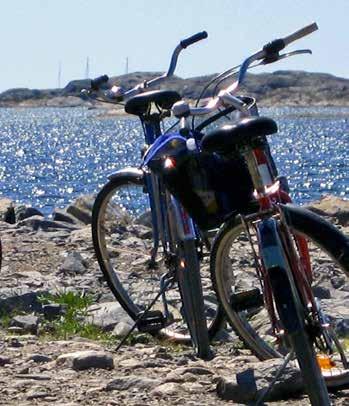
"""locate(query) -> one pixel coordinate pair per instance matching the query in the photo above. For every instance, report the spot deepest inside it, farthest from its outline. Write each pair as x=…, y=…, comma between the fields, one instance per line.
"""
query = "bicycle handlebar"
x=194, y=38
x=119, y=94
x=269, y=53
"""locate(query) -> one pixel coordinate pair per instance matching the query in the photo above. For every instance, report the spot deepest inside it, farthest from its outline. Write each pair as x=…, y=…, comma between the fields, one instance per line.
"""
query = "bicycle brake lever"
x=283, y=56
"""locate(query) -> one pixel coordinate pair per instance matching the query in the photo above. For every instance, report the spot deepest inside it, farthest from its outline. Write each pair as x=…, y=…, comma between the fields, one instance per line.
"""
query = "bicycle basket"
x=209, y=186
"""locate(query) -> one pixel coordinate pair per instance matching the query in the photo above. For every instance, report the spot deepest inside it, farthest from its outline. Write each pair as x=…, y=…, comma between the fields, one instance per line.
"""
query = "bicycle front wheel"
x=233, y=269
x=123, y=242
x=189, y=282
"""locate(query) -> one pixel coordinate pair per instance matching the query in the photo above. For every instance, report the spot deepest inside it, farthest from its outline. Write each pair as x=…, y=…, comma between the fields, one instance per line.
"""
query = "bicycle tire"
x=230, y=259
x=189, y=282
x=121, y=278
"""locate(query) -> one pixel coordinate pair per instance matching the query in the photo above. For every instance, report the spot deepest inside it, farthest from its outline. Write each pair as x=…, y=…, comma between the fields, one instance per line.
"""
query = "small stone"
x=338, y=281
x=73, y=263
x=132, y=382
x=53, y=310
x=321, y=292
x=4, y=361
x=86, y=359
x=36, y=394
x=167, y=389
x=14, y=342
x=29, y=323
x=24, y=370
x=106, y=315
x=16, y=330
x=39, y=358
x=121, y=329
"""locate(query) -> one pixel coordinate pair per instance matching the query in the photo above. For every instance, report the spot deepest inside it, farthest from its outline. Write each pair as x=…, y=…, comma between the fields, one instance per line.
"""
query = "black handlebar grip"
x=194, y=38
x=98, y=82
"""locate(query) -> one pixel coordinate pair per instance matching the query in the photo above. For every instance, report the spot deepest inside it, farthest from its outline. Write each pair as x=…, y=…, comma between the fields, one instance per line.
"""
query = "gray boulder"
x=86, y=359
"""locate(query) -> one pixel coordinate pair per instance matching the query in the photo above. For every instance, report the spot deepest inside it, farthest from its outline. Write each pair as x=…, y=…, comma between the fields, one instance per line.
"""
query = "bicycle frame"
x=279, y=249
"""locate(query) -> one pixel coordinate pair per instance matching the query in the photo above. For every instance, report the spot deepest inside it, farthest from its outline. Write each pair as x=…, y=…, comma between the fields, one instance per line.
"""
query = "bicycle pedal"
x=152, y=321
x=246, y=300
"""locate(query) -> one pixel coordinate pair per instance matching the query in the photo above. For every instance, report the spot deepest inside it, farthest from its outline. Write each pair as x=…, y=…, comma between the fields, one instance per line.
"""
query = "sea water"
x=50, y=156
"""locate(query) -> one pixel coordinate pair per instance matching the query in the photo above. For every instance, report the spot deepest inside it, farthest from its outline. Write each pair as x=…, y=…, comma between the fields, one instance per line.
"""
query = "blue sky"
x=37, y=34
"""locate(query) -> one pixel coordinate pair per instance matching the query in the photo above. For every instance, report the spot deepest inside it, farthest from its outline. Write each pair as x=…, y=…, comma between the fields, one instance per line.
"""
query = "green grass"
x=71, y=323
x=5, y=319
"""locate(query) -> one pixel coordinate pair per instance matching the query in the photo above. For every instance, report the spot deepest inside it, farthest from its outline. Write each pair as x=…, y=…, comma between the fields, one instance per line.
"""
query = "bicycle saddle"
x=140, y=104
x=225, y=139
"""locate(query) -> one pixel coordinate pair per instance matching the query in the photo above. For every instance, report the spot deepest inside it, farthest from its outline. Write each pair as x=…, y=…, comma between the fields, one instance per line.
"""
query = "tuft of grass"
x=71, y=323
x=5, y=319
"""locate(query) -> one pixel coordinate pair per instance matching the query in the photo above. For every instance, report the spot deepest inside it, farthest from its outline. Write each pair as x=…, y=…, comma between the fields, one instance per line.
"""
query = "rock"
x=37, y=394
x=7, y=210
x=23, y=212
x=107, y=315
x=61, y=215
x=248, y=385
x=144, y=219
x=322, y=292
x=39, y=358
x=81, y=208
x=132, y=382
x=121, y=329
x=28, y=323
x=73, y=263
x=53, y=310
x=20, y=299
x=14, y=342
x=86, y=359
x=167, y=389
x=332, y=206
x=338, y=281
x=4, y=360
x=82, y=215
x=81, y=236
x=39, y=223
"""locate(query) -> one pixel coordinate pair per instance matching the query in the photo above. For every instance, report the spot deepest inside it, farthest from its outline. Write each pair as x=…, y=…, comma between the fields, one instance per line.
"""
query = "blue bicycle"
x=146, y=243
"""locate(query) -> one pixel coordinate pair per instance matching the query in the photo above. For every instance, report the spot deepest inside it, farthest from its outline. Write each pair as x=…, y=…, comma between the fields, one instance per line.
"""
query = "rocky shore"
x=280, y=88
x=43, y=258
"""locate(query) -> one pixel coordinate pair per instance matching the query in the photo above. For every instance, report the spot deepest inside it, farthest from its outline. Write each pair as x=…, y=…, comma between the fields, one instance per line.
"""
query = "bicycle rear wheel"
x=123, y=241
x=234, y=275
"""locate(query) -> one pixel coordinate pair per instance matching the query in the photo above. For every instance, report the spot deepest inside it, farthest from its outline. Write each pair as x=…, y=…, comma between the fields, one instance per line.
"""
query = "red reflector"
x=260, y=156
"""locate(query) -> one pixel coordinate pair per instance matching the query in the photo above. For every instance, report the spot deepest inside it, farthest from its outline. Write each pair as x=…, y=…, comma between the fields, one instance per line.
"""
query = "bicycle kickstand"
x=166, y=282
x=266, y=392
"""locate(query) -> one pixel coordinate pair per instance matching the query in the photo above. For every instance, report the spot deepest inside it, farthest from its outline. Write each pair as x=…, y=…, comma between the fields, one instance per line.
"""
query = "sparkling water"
x=51, y=156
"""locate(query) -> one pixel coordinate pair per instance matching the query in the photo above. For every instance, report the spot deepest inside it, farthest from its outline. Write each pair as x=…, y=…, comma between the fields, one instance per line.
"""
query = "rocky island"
x=280, y=88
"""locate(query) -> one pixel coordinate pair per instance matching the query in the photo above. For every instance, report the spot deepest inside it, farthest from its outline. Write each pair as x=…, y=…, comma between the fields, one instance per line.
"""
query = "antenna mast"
x=59, y=74
x=87, y=70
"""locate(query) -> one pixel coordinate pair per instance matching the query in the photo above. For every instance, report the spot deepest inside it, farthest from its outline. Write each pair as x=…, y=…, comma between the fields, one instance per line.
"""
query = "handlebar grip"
x=300, y=33
x=194, y=38
x=98, y=82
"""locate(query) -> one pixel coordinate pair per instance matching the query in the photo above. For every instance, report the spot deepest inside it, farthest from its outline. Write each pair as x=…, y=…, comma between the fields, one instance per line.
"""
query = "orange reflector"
x=325, y=362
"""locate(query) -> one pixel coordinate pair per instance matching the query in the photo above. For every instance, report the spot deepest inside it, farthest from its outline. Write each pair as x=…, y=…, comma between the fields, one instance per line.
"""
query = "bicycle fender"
x=133, y=173
x=284, y=300
x=276, y=266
